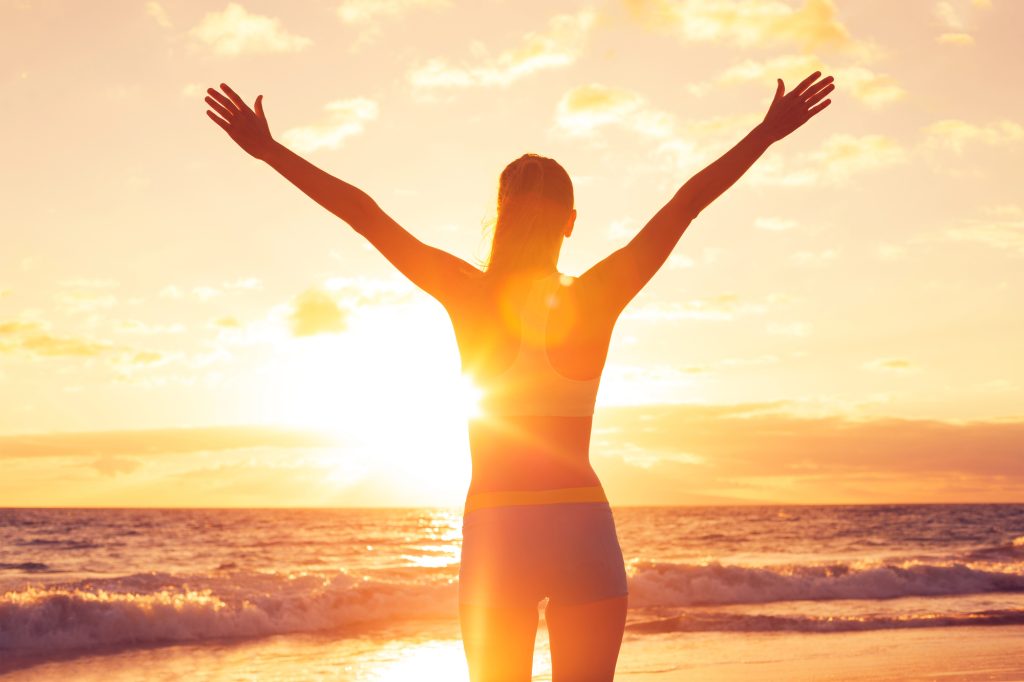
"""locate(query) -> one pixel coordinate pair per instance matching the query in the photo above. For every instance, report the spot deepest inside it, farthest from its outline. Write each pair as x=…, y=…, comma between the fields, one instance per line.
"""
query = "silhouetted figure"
x=537, y=523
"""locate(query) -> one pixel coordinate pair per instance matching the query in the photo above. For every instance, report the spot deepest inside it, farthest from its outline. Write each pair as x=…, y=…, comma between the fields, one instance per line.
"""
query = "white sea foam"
x=704, y=621
x=670, y=584
x=160, y=607
x=156, y=607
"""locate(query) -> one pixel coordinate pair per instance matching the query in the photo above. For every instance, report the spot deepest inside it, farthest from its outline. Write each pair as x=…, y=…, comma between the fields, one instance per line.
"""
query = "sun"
x=389, y=387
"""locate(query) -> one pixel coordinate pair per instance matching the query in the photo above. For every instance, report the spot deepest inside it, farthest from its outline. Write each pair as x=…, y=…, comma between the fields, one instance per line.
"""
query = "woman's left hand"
x=246, y=127
x=791, y=110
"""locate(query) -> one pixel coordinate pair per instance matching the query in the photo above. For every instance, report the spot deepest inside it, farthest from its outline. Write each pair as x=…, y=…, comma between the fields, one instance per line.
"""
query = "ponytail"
x=535, y=198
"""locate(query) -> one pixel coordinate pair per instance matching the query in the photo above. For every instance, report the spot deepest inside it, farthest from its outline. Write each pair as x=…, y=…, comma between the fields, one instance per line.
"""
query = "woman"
x=536, y=523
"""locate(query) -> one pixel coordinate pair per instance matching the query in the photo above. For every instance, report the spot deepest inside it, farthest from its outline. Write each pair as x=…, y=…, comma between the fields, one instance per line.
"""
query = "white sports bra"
x=531, y=386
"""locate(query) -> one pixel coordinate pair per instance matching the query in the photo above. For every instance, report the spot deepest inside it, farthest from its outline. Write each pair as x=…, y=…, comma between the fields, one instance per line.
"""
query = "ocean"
x=355, y=593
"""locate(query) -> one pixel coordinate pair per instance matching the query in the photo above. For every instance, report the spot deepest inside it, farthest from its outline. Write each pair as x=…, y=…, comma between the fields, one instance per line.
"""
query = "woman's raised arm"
x=618, y=278
x=437, y=272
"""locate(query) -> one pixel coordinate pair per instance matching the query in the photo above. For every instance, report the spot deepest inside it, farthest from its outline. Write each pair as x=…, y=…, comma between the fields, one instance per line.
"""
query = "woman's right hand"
x=246, y=127
x=791, y=110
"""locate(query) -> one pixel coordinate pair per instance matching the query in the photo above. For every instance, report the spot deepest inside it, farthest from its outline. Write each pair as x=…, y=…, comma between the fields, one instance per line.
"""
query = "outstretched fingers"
x=798, y=91
x=219, y=108
x=816, y=89
x=242, y=106
x=222, y=100
x=219, y=121
x=820, y=94
x=815, y=109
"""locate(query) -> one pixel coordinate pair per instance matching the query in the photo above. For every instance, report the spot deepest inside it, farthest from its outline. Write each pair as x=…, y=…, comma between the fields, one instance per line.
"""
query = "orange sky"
x=179, y=326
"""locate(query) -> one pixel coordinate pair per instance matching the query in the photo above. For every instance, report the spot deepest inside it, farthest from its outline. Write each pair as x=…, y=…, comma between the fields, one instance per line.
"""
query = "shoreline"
x=397, y=653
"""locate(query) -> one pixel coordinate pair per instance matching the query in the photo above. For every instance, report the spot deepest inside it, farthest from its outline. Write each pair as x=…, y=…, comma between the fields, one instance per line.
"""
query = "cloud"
x=557, y=46
x=365, y=11
x=955, y=134
x=827, y=459
x=112, y=466
x=235, y=31
x=33, y=338
x=227, y=322
x=1006, y=234
x=888, y=251
x=798, y=329
x=955, y=27
x=814, y=258
x=873, y=89
x=646, y=454
x=774, y=224
x=171, y=291
x=948, y=15
x=346, y=117
x=150, y=442
x=586, y=108
x=145, y=329
x=158, y=13
x=839, y=158
x=316, y=312
x=721, y=307
x=893, y=365
x=84, y=300
x=84, y=294
x=811, y=26
x=251, y=283
x=956, y=38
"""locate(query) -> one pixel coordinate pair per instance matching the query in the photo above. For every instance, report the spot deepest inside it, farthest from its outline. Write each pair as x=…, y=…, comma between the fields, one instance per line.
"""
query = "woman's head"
x=535, y=211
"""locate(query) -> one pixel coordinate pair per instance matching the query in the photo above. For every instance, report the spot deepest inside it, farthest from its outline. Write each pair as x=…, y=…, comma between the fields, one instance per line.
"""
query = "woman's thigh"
x=585, y=638
x=499, y=641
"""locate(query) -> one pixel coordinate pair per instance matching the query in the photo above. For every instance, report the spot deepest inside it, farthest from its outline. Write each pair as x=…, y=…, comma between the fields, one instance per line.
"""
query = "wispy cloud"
x=721, y=307
x=235, y=31
x=773, y=224
x=158, y=13
x=314, y=311
x=365, y=11
x=896, y=365
x=911, y=458
x=152, y=442
x=838, y=159
x=585, y=109
x=814, y=258
x=1001, y=228
x=345, y=118
x=956, y=134
x=33, y=338
x=85, y=295
x=873, y=89
x=813, y=25
x=798, y=329
x=559, y=45
x=955, y=28
x=962, y=39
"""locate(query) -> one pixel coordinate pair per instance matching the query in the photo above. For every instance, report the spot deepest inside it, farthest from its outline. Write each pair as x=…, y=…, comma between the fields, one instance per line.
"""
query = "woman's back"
x=535, y=347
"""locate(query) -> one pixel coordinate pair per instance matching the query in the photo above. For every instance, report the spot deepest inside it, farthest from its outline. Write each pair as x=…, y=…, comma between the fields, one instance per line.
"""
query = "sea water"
x=75, y=582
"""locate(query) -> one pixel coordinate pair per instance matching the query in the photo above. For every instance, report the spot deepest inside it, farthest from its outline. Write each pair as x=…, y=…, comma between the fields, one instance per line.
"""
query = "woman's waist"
x=484, y=499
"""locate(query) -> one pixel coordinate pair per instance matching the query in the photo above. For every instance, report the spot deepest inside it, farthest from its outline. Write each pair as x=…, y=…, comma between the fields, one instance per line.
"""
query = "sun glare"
x=395, y=398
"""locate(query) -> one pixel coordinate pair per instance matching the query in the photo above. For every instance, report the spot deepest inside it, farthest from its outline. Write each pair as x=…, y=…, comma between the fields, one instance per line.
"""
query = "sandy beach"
x=396, y=654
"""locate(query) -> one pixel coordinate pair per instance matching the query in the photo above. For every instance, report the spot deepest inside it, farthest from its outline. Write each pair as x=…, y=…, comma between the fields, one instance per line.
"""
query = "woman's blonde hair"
x=535, y=199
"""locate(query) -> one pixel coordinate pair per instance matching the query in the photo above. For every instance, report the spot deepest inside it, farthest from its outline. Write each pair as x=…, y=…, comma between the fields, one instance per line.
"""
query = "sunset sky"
x=179, y=326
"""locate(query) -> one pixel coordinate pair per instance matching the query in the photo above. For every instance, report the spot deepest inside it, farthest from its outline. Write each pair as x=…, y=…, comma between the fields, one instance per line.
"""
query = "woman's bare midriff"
x=530, y=453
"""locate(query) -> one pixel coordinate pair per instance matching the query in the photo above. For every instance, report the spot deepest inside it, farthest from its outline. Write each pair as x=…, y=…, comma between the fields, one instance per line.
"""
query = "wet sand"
x=435, y=652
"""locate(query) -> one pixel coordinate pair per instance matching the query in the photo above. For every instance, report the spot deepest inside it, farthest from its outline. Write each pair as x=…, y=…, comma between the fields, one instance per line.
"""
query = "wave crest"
x=671, y=584
x=155, y=607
